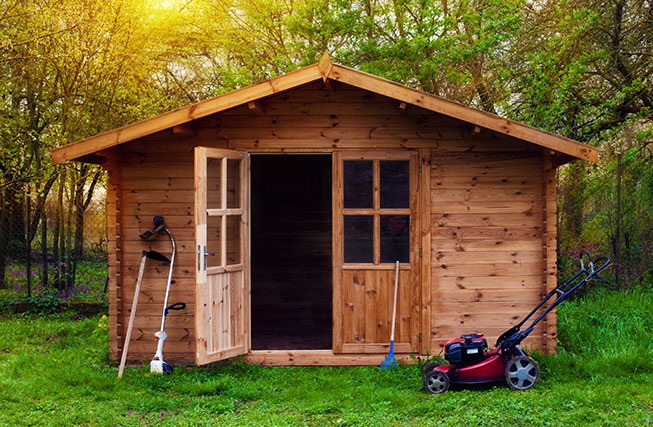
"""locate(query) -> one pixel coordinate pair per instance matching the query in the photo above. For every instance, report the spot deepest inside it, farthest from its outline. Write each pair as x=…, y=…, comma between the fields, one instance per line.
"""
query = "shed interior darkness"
x=291, y=252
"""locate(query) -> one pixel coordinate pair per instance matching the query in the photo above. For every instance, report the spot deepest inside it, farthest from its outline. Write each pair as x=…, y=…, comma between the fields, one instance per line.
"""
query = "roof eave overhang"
x=186, y=114
x=326, y=70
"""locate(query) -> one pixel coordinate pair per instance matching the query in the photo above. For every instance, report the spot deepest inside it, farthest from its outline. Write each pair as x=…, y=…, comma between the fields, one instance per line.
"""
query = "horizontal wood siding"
x=157, y=179
x=486, y=210
x=486, y=247
x=114, y=249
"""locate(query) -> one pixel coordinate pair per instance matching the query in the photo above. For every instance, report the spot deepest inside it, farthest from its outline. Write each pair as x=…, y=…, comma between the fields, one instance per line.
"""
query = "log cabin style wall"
x=485, y=218
x=481, y=212
x=487, y=224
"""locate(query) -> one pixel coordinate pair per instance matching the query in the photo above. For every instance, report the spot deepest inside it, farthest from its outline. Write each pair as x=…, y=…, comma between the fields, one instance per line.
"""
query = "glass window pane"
x=233, y=239
x=395, y=241
x=213, y=178
x=233, y=183
x=358, y=184
x=213, y=244
x=358, y=239
x=395, y=184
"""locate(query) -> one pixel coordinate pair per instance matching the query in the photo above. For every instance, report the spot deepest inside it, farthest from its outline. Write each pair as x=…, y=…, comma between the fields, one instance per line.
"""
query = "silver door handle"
x=201, y=255
x=207, y=254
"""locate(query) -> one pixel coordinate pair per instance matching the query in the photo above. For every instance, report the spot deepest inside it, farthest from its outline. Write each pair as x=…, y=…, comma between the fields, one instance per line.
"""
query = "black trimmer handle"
x=156, y=256
x=159, y=225
x=175, y=306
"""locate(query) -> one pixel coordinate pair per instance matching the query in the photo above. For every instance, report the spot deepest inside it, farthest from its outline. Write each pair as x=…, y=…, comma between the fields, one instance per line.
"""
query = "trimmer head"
x=160, y=367
x=157, y=365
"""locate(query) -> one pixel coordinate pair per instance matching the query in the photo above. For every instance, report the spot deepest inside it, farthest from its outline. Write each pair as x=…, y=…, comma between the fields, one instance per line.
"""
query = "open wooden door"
x=221, y=238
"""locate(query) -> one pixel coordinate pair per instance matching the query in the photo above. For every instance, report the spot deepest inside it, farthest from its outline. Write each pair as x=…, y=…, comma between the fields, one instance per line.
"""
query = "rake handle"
x=394, y=305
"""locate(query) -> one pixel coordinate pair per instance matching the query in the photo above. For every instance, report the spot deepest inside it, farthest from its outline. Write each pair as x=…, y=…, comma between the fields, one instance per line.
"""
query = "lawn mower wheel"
x=436, y=382
x=522, y=373
x=429, y=367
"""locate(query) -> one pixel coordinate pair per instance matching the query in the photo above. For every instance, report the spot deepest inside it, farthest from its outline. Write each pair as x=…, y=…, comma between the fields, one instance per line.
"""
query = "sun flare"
x=167, y=4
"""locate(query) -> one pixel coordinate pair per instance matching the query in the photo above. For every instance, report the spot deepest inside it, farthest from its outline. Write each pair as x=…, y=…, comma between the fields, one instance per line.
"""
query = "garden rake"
x=391, y=361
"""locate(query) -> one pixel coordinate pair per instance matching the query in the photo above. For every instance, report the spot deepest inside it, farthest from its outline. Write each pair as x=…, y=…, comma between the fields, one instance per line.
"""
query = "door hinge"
x=420, y=252
x=420, y=337
x=420, y=166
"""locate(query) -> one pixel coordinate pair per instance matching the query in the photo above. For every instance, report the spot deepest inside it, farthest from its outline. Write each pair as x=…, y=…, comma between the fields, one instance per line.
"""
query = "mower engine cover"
x=466, y=349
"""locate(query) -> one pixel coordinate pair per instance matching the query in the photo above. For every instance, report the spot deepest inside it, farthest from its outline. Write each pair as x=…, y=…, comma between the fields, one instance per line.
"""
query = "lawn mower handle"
x=514, y=336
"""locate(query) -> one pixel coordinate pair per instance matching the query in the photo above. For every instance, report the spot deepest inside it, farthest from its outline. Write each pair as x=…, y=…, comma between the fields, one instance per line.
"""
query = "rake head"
x=390, y=361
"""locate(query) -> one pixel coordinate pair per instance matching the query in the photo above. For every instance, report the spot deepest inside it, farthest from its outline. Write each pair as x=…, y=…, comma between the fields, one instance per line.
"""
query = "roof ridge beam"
x=325, y=66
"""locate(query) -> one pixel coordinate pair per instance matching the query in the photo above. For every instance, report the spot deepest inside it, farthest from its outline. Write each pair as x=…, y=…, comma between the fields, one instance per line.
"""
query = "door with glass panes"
x=221, y=238
x=375, y=218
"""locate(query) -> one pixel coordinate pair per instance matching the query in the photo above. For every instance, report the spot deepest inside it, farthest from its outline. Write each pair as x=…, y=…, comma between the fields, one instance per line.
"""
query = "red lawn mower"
x=470, y=363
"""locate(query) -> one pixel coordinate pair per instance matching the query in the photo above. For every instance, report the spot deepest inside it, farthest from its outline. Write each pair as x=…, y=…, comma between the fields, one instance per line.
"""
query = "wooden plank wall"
x=549, y=246
x=486, y=215
x=157, y=179
x=114, y=249
x=486, y=209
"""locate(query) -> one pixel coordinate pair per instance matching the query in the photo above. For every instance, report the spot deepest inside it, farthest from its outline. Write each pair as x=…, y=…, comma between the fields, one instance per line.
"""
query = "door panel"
x=221, y=234
x=367, y=314
x=375, y=223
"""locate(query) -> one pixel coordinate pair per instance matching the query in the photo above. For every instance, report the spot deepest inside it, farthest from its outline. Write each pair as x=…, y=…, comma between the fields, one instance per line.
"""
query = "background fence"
x=64, y=256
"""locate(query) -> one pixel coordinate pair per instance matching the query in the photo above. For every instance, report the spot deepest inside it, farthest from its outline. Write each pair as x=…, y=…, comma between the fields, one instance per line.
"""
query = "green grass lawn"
x=54, y=370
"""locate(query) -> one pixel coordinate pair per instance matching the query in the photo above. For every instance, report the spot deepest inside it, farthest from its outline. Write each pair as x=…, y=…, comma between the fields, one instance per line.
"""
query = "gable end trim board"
x=324, y=70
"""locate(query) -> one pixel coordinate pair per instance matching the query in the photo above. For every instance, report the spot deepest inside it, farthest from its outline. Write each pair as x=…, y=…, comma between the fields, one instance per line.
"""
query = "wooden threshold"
x=318, y=358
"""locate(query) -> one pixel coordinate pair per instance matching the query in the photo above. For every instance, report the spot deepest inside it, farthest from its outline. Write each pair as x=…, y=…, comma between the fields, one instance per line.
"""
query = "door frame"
x=274, y=352
x=422, y=270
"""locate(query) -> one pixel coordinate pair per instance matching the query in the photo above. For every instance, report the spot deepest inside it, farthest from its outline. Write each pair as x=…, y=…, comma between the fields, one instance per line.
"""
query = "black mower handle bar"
x=514, y=336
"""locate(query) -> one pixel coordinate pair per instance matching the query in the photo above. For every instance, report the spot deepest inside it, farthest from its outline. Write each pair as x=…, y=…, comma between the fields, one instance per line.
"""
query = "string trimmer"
x=157, y=364
x=153, y=255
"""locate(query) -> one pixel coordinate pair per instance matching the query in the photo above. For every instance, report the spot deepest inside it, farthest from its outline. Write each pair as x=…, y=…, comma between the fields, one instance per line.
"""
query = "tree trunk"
x=81, y=204
x=617, y=245
x=56, y=233
x=28, y=242
x=44, y=248
x=79, y=222
x=4, y=238
x=68, y=243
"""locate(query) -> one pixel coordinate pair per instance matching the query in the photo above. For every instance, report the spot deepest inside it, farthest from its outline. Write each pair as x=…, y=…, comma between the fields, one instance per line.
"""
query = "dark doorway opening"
x=291, y=252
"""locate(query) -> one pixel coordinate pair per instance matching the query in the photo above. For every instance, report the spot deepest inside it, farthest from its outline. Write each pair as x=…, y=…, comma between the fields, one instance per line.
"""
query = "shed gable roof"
x=323, y=70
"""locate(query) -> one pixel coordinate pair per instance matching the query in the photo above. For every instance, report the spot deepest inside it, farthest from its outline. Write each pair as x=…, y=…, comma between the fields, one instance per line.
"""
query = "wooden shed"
x=307, y=187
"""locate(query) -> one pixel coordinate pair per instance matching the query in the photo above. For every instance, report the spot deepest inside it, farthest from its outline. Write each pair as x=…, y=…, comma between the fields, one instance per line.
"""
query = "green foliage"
x=44, y=304
x=593, y=200
x=37, y=305
x=90, y=280
x=55, y=370
x=609, y=331
x=582, y=69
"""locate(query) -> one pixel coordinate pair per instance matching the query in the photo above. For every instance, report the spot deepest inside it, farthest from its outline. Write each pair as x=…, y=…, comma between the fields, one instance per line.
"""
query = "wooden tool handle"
x=125, y=347
x=394, y=305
